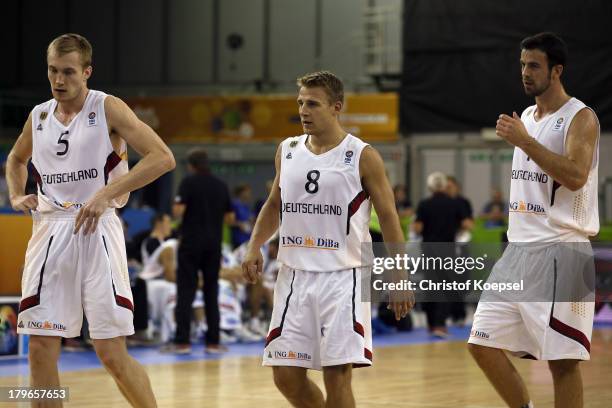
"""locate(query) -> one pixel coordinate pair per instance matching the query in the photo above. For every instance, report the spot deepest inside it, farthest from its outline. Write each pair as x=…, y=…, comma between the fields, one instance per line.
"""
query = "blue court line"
x=86, y=360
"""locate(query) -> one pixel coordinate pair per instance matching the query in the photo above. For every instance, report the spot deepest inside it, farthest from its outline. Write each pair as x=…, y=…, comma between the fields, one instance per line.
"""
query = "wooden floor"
x=427, y=376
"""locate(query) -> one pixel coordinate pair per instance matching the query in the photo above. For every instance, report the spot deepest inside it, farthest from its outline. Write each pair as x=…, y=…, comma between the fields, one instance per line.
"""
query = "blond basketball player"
x=325, y=183
x=553, y=199
x=76, y=258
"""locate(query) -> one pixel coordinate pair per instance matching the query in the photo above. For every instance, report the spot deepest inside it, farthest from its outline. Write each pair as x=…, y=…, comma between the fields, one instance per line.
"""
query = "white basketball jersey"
x=71, y=163
x=151, y=267
x=541, y=209
x=324, y=210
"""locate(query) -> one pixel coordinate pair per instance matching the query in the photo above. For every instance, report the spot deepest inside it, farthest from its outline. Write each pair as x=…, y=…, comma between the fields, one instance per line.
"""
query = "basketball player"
x=76, y=258
x=553, y=198
x=325, y=183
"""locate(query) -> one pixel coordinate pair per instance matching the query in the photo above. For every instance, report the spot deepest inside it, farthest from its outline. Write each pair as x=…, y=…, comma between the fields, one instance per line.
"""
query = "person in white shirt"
x=553, y=202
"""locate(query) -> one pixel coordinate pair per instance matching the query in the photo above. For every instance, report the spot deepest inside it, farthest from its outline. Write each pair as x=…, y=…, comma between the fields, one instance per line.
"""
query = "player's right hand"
x=252, y=266
x=25, y=203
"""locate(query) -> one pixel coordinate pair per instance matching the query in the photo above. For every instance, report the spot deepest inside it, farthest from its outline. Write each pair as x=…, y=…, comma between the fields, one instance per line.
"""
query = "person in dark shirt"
x=438, y=219
x=203, y=202
x=464, y=235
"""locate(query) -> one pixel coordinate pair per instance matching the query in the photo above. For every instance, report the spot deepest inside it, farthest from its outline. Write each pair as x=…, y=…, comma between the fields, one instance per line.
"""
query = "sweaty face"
x=66, y=75
x=535, y=72
x=316, y=112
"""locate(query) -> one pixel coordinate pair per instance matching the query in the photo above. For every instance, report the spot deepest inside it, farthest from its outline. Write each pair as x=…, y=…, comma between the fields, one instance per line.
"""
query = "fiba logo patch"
x=92, y=119
x=559, y=124
x=348, y=157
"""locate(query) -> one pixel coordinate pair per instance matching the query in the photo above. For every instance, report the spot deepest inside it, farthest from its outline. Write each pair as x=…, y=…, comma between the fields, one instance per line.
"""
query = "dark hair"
x=328, y=81
x=550, y=44
x=453, y=180
x=158, y=217
x=198, y=159
x=241, y=188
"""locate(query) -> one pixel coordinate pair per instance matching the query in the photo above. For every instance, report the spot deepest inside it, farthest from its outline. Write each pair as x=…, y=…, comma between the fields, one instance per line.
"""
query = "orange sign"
x=259, y=117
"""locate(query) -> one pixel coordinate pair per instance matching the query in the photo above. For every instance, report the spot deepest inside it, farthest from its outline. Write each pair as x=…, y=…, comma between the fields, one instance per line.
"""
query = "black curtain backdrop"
x=461, y=59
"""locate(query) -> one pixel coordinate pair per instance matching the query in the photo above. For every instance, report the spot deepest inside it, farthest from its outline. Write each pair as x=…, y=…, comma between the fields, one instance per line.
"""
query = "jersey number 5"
x=312, y=186
x=64, y=142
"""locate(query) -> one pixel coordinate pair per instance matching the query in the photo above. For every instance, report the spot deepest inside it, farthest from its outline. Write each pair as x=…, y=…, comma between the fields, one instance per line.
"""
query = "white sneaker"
x=258, y=326
x=227, y=338
x=244, y=335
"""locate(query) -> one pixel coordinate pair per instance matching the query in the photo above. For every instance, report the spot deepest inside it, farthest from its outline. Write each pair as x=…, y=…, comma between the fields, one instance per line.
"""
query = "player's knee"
x=41, y=351
x=560, y=368
x=112, y=362
x=337, y=377
x=288, y=381
x=478, y=352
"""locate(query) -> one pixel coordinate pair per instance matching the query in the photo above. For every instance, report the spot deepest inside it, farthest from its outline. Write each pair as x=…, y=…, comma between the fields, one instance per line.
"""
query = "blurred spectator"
x=495, y=211
x=203, y=202
x=156, y=279
x=495, y=218
x=438, y=219
x=403, y=207
x=457, y=309
x=453, y=189
x=259, y=204
x=244, y=216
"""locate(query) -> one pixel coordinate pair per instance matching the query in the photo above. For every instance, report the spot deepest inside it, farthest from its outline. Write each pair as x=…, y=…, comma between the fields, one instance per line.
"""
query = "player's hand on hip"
x=89, y=214
x=25, y=203
x=512, y=129
x=401, y=302
x=252, y=267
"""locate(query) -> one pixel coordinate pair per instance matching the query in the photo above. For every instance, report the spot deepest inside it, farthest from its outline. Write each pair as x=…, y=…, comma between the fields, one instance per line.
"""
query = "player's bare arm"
x=168, y=262
x=374, y=180
x=17, y=170
x=265, y=226
x=157, y=159
x=570, y=170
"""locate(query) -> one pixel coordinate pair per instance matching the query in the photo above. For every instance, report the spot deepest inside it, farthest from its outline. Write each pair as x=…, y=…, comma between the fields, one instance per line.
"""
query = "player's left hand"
x=512, y=129
x=401, y=302
x=90, y=213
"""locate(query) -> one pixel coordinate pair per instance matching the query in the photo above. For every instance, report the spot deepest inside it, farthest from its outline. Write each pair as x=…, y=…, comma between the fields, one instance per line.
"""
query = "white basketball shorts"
x=542, y=330
x=318, y=320
x=66, y=274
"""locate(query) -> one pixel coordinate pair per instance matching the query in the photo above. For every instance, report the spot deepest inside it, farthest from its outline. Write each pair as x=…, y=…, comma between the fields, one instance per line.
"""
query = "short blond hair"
x=67, y=43
x=328, y=81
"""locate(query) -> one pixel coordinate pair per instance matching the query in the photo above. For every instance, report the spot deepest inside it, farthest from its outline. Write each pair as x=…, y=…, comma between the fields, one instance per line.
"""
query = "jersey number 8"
x=312, y=186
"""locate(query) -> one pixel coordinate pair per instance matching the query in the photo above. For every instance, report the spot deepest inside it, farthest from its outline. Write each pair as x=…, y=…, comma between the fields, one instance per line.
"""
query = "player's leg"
x=294, y=384
x=502, y=374
x=292, y=345
x=345, y=331
x=50, y=306
x=567, y=381
x=43, y=354
x=337, y=381
x=129, y=375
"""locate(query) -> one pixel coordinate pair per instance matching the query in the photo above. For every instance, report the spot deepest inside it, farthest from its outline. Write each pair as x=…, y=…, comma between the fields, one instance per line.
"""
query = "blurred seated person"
x=242, y=225
x=403, y=207
x=495, y=212
x=495, y=218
